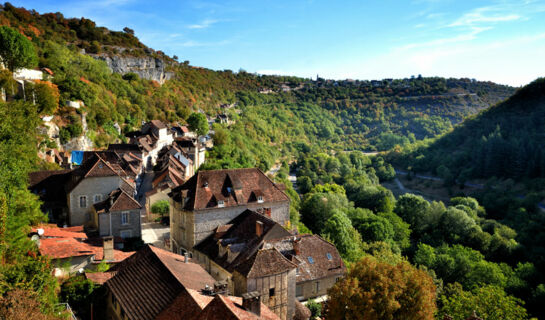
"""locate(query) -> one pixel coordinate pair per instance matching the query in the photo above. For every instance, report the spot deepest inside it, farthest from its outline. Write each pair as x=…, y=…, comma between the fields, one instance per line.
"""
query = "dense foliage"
x=378, y=290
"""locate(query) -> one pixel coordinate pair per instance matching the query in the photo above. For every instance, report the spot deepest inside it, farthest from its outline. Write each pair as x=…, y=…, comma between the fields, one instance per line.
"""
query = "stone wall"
x=307, y=290
x=117, y=227
x=89, y=187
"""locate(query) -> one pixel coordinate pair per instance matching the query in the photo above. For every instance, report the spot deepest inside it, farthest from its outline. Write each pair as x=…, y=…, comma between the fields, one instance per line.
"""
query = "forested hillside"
x=340, y=114
x=505, y=141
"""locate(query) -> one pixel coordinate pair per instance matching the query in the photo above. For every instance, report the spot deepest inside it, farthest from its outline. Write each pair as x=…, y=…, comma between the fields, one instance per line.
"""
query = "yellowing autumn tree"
x=374, y=290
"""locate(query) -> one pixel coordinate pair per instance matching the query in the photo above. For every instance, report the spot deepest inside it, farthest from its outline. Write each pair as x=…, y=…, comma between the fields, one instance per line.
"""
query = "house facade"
x=91, y=183
x=118, y=216
x=213, y=198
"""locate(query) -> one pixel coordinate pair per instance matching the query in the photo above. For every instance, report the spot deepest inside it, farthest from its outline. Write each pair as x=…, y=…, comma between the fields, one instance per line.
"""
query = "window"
x=98, y=198
x=328, y=255
x=221, y=204
x=124, y=218
x=298, y=290
x=310, y=260
x=317, y=287
x=260, y=199
x=271, y=292
x=126, y=234
x=83, y=201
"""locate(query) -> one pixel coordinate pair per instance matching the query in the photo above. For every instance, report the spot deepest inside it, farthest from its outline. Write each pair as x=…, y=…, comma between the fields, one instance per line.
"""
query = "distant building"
x=153, y=137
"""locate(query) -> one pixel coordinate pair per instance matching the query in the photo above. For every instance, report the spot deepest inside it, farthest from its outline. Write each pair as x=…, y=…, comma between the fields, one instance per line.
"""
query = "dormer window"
x=221, y=204
x=260, y=199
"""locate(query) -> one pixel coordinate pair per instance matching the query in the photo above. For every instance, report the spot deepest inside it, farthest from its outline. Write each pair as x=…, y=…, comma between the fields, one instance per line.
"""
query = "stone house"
x=68, y=195
x=118, y=216
x=235, y=256
x=171, y=286
x=213, y=198
x=242, y=249
x=91, y=183
x=319, y=264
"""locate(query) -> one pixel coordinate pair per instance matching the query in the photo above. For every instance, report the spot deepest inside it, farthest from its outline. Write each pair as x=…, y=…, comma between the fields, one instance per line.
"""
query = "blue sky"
x=501, y=41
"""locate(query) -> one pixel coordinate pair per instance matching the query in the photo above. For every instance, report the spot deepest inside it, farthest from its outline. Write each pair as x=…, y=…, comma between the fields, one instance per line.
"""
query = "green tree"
x=160, y=207
x=488, y=302
x=319, y=207
x=197, y=122
x=414, y=210
x=339, y=230
x=16, y=51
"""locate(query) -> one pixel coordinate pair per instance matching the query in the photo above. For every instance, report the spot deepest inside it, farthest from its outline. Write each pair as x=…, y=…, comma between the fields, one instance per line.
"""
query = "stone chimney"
x=108, y=243
x=251, y=301
x=186, y=258
x=296, y=245
x=258, y=228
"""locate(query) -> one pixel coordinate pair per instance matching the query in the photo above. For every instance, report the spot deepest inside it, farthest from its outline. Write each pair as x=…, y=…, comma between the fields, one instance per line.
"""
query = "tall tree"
x=378, y=290
x=16, y=51
x=197, y=122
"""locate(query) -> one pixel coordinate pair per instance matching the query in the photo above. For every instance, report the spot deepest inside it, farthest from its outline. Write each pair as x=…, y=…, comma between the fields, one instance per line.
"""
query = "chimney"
x=220, y=287
x=296, y=246
x=258, y=228
x=108, y=243
x=251, y=301
x=186, y=257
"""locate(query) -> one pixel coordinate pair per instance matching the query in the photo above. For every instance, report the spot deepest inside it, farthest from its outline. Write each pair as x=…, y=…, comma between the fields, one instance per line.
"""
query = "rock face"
x=146, y=67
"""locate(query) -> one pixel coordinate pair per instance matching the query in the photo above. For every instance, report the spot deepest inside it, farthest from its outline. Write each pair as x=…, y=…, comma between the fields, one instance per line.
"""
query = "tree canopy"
x=16, y=51
x=378, y=290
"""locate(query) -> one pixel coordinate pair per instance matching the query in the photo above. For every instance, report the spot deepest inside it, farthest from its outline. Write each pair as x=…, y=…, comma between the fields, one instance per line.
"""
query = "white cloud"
x=204, y=24
x=479, y=16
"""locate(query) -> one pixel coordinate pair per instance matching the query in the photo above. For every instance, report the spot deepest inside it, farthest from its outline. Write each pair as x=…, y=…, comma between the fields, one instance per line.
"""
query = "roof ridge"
x=273, y=183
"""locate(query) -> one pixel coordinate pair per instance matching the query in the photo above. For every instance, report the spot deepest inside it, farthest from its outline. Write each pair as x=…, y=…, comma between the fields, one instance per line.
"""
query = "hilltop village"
x=228, y=246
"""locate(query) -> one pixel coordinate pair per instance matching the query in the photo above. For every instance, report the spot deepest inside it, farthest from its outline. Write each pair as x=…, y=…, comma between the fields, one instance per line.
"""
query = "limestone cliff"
x=146, y=67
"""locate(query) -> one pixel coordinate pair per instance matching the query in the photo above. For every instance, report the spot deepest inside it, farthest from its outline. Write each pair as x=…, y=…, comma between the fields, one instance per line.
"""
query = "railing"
x=66, y=306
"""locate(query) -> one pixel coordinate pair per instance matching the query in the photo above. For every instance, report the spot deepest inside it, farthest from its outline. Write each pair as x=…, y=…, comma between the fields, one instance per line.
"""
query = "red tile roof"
x=234, y=186
x=99, y=277
x=151, y=280
x=61, y=248
x=230, y=308
x=52, y=231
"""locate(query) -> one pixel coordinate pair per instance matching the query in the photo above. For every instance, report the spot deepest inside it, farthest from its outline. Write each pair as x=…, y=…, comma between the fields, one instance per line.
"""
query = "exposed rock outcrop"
x=149, y=68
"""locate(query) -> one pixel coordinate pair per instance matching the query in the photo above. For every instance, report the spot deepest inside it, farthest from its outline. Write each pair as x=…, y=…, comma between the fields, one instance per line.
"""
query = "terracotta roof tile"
x=60, y=248
x=52, y=231
x=99, y=277
x=161, y=277
x=230, y=308
x=265, y=262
